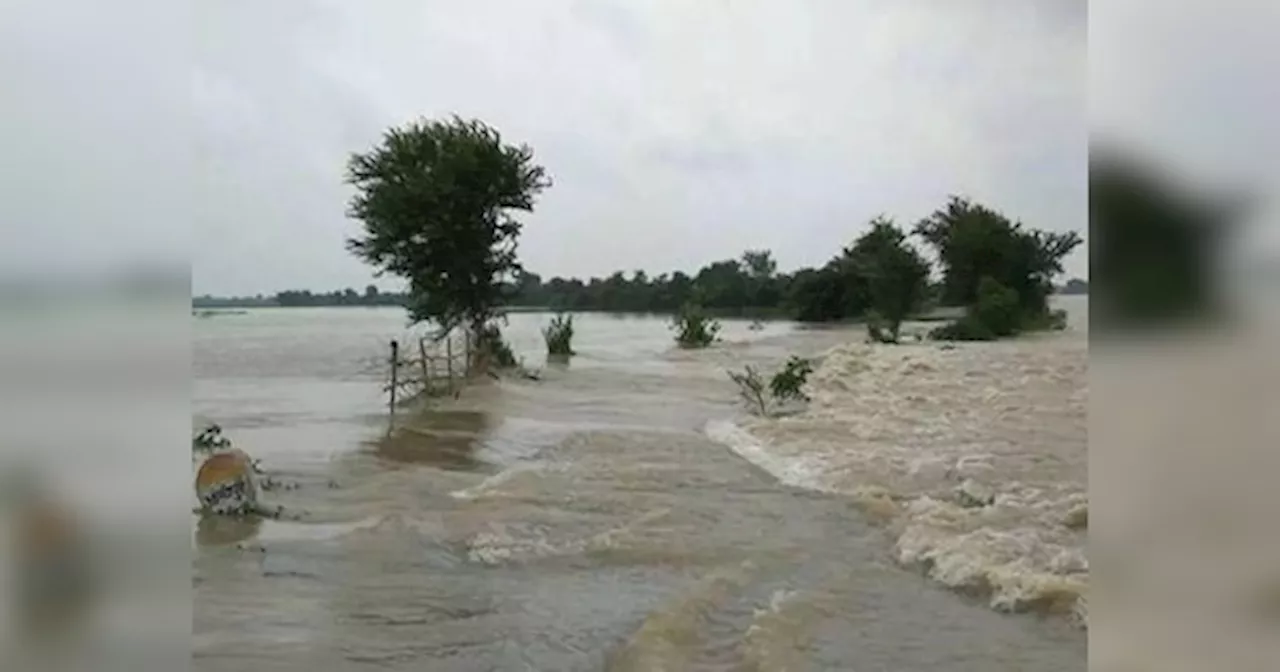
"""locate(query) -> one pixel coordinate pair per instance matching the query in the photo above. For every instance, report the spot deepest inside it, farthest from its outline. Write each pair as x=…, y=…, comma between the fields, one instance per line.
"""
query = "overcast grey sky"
x=677, y=132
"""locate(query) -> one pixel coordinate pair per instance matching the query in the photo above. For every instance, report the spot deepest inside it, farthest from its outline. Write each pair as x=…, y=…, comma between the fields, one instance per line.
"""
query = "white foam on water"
x=493, y=484
x=798, y=472
x=900, y=428
x=503, y=543
x=778, y=635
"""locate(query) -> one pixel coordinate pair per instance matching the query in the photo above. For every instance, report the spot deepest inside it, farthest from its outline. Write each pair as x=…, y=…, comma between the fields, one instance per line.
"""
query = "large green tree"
x=895, y=276
x=436, y=199
x=973, y=242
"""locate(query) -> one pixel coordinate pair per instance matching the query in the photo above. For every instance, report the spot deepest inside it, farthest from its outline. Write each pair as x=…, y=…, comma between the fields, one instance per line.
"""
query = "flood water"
x=624, y=513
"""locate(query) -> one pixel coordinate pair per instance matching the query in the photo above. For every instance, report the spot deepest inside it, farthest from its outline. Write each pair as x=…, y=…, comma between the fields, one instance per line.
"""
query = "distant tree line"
x=778, y=295
x=297, y=298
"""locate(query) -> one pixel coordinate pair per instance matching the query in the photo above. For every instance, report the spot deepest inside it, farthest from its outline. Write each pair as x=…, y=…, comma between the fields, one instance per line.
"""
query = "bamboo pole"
x=426, y=370
x=395, y=364
x=466, y=350
x=448, y=361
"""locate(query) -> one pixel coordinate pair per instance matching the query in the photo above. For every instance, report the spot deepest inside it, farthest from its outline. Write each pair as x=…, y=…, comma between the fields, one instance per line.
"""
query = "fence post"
x=467, y=345
x=426, y=371
x=448, y=361
x=395, y=364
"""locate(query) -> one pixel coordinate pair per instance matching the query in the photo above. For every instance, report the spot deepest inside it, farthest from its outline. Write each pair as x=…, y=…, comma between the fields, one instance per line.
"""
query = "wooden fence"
x=429, y=369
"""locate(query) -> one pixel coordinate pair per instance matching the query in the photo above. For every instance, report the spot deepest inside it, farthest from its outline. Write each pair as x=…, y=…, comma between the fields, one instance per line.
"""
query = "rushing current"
x=925, y=511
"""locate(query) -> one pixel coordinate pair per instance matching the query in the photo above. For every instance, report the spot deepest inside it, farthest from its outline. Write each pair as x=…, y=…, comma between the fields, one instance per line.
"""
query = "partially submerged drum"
x=226, y=485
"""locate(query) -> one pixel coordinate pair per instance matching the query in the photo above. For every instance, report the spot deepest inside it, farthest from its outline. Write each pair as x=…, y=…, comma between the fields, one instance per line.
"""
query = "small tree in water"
x=694, y=329
x=559, y=335
x=435, y=199
x=788, y=384
x=785, y=385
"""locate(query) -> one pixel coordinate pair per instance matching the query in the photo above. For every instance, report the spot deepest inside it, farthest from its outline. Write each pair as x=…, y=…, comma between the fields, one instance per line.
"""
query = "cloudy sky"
x=677, y=132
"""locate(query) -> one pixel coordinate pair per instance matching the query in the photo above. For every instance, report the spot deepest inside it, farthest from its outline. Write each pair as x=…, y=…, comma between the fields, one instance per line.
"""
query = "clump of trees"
x=436, y=201
x=881, y=278
x=999, y=270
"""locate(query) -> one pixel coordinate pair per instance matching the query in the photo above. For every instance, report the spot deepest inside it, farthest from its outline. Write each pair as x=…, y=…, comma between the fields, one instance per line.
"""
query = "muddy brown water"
x=584, y=522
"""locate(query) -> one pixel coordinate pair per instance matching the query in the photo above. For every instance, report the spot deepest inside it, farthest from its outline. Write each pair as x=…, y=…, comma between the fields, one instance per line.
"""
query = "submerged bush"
x=559, y=335
x=694, y=329
x=751, y=388
x=788, y=383
x=785, y=385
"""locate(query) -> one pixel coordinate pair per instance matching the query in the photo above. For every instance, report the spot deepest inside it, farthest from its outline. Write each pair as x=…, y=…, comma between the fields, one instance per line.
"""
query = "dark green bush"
x=788, y=383
x=694, y=329
x=785, y=385
x=559, y=335
x=997, y=308
x=995, y=314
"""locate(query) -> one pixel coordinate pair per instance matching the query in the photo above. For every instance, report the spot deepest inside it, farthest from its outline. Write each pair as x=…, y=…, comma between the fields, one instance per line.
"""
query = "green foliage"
x=995, y=314
x=435, y=199
x=788, y=384
x=829, y=294
x=694, y=329
x=973, y=242
x=997, y=307
x=785, y=385
x=895, y=276
x=559, y=335
x=751, y=387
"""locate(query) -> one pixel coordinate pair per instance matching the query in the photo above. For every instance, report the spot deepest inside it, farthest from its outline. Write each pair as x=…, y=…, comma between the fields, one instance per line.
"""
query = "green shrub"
x=752, y=389
x=694, y=329
x=994, y=314
x=559, y=335
x=787, y=384
x=997, y=308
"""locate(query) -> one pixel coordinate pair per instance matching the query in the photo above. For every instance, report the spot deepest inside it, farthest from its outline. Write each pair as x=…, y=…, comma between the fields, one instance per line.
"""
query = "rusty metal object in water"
x=227, y=485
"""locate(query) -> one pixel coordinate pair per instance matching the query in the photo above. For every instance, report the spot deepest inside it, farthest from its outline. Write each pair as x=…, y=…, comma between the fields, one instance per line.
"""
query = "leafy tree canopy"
x=435, y=199
x=973, y=241
x=895, y=275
